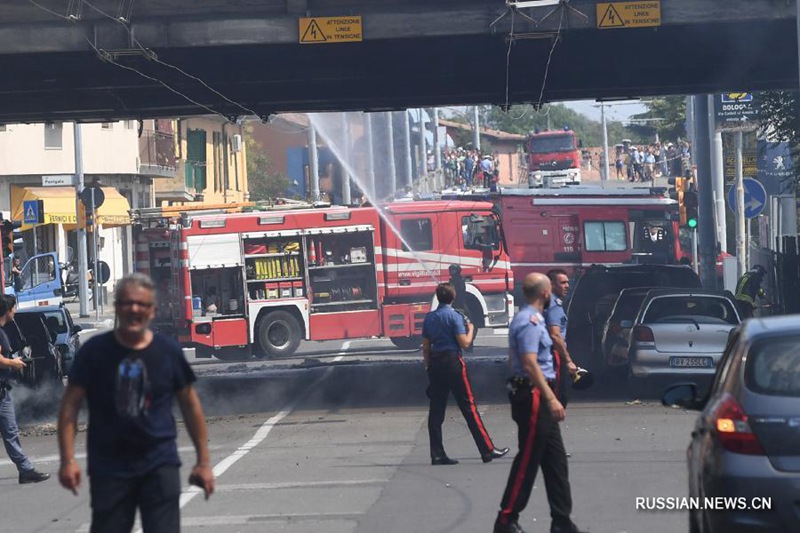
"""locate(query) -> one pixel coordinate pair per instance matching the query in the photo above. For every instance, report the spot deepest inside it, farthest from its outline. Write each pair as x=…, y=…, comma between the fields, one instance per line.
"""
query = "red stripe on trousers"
x=473, y=408
x=526, y=453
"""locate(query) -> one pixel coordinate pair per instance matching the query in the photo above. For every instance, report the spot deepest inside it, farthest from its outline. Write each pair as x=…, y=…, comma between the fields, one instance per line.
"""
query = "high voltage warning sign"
x=629, y=14
x=319, y=30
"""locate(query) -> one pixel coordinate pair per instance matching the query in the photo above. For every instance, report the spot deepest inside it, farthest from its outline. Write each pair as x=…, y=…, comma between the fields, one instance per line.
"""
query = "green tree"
x=264, y=181
x=665, y=115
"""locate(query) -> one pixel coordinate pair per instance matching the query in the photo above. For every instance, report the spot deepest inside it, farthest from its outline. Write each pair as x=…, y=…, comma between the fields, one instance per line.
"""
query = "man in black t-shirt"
x=129, y=378
x=8, y=417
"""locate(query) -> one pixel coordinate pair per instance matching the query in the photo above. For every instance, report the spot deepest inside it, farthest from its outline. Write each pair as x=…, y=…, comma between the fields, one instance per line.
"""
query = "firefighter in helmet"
x=748, y=288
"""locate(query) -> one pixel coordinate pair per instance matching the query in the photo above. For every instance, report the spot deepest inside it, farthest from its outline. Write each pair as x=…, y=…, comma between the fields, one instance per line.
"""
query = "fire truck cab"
x=232, y=284
x=553, y=158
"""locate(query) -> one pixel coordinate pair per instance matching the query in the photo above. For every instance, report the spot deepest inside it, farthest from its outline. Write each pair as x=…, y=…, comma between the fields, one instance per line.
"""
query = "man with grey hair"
x=537, y=410
x=129, y=377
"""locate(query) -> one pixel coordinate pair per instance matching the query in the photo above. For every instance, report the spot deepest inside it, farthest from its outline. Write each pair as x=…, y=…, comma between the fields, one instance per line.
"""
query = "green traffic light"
x=692, y=223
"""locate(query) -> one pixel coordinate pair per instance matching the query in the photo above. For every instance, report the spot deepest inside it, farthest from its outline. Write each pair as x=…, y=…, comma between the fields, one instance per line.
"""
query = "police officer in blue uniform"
x=536, y=409
x=444, y=334
x=555, y=318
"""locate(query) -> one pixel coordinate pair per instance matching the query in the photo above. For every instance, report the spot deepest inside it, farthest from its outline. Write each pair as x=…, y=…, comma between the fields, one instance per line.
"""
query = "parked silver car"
x=679, y=332
x=745, y=446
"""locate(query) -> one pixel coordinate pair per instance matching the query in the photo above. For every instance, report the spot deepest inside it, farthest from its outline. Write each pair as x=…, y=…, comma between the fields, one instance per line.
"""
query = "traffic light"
x=678, y=194
x=690, y=207
x=8, y=227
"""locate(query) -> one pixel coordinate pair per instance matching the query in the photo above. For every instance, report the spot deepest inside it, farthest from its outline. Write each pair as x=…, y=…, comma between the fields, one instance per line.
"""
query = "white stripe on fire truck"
x=183, y=245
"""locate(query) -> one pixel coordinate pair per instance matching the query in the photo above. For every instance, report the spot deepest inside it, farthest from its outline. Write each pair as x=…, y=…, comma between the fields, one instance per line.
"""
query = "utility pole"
x=437, y=152
x=423, y=145
x=370, y=157
x=718, y=176
x=313, y=161
x=476, y=131
x=741, y=237
x=83, y=269
x=701, y=150
x=407, y=148
x=390, y=152
x=605, y=175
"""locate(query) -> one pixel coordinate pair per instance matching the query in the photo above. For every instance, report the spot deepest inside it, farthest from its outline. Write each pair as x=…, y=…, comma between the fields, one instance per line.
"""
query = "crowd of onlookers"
x=469, y=168
x=643, y=163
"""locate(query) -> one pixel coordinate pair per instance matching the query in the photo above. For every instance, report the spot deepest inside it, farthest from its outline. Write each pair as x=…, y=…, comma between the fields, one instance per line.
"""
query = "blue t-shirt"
x=129, y=394
x=528, y=334
x=441, y=327
x=555, y=315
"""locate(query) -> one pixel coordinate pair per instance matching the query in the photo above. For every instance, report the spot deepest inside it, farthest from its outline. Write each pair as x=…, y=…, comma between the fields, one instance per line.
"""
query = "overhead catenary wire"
x=43, y=8
x=550, y=57
x=152, y=57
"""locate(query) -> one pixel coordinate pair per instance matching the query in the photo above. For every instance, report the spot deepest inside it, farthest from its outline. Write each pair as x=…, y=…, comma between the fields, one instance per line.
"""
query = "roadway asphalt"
x=335, y=440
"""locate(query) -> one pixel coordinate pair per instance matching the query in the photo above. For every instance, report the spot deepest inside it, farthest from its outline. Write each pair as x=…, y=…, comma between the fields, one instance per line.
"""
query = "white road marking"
x=259, y=436
x=240, y=520
x=501, y=331
x=234, y=487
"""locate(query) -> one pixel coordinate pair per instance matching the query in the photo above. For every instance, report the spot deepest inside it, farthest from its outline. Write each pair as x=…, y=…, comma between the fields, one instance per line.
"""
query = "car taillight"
x=615, y=328
x=730, y=424
x=643, y=334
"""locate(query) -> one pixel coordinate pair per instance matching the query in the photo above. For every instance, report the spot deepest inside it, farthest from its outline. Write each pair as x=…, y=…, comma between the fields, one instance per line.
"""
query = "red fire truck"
x=553, y=158
x=234, y=283
x=573, y=227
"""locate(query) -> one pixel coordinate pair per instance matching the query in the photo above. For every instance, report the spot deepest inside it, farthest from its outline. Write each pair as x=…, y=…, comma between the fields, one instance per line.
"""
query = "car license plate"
x=691, y=362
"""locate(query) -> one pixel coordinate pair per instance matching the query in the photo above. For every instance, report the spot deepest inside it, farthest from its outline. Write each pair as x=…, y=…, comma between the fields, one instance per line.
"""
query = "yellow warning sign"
x=319, y=30
x=629, y=14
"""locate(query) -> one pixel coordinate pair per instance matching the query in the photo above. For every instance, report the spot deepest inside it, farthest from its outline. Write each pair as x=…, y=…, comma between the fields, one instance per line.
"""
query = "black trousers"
x=540, y=445
x=448, y=373
x=156, y=494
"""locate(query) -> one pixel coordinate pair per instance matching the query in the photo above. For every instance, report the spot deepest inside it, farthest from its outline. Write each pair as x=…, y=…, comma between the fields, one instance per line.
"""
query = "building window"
x=417, y=233
x=605, y=236
x=196, y=160
x=107, y=125
x=2, y=127
x=53, y=136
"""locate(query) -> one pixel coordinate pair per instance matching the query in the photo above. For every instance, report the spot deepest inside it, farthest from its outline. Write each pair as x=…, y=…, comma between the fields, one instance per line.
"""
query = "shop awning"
x=59, y=206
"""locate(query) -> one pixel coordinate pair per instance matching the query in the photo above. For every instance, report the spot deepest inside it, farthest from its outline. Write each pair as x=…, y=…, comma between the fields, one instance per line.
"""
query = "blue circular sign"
x=755, y=198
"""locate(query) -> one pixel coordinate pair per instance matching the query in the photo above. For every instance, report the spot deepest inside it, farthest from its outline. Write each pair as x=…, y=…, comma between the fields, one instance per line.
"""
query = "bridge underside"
x=393, y=74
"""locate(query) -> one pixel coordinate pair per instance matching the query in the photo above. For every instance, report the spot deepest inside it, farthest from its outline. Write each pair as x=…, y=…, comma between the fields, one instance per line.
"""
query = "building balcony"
x=157, y=154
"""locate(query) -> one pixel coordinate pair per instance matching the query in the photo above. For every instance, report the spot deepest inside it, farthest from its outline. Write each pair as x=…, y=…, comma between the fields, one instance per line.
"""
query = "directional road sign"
x=755, y=198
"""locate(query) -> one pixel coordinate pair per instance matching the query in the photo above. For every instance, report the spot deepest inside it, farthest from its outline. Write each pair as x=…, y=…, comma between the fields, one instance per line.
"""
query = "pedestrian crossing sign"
x=33, y=211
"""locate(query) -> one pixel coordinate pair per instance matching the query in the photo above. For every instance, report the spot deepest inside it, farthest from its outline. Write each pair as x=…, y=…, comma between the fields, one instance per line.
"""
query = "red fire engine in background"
x=553, y=158
x=574, y=227
x=234, y=283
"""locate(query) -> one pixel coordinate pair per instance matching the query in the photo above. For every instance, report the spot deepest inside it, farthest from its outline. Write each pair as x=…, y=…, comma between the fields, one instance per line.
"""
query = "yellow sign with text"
x=321, y=30
x=629, y=14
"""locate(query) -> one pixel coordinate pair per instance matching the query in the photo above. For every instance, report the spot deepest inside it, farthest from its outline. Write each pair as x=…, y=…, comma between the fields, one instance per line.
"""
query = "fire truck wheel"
x=279, y=334
x=407, y=343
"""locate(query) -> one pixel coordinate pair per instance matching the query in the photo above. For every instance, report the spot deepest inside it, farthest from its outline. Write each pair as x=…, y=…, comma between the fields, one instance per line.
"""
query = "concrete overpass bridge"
x=104, y=59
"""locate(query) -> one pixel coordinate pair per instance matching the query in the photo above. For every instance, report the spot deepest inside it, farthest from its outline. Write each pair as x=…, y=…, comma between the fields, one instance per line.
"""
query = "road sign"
x=629, y=14
x=736, y=110
x=59, y=180
x=33, y=211
x=755, y=198
x=86, y=197
x=320, y=30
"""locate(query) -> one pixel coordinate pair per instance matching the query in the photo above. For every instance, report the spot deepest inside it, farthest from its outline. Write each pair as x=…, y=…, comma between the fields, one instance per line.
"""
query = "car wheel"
x=407, y=343
x=279, y=334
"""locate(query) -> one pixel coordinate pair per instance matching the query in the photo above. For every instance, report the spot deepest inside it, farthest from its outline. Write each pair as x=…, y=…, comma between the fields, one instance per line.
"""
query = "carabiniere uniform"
x=448, y=373
x=540, y=442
